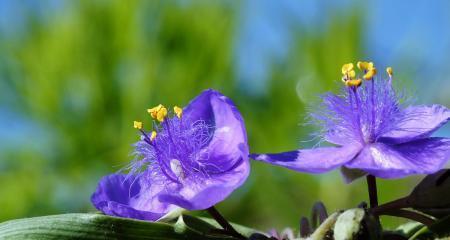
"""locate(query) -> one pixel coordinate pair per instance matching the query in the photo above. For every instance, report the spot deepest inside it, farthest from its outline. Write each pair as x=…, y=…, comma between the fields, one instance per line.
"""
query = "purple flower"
x=374, y=133
x=194, y=158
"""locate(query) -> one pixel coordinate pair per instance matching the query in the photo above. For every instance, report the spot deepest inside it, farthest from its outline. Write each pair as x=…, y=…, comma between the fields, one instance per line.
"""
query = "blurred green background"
x=75, y=74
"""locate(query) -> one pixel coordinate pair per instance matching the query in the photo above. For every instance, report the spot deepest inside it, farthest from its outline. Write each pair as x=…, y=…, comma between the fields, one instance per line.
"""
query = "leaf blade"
x=93, y=226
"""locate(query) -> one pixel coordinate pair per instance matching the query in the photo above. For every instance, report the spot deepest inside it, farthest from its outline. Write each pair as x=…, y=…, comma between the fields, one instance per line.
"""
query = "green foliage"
x=98, y=226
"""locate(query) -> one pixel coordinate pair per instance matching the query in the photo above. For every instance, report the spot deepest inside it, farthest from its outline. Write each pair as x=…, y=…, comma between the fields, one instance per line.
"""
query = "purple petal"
x=316, y=160
x=229, y=142
x=351, y=174
x=198, y=195
x=422, y=156
x=416, y=122
x=200, y=107
x=118, y=195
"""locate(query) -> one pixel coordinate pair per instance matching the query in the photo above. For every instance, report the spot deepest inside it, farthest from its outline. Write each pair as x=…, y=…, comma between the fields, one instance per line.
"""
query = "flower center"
x=368, y=103
x=178, y=146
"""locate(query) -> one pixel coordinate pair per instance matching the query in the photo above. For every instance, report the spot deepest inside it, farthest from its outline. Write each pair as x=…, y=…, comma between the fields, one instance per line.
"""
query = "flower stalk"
x=372, y=187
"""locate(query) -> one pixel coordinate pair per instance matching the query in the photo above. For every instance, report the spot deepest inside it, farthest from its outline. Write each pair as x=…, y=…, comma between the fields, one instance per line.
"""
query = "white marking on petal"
x=262, y=157
x=223, y=129
x=380, y=158
x=177, y=168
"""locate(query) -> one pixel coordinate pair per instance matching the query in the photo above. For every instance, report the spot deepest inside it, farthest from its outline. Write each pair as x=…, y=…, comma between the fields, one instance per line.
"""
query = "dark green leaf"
x=247, y=232
x=98, y=226
x=409, y=229
x=439, y=229
x=198, y=224
x=432, y=194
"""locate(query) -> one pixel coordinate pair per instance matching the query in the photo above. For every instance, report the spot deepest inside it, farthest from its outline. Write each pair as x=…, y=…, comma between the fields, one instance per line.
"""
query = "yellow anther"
x=153, y=136
x=347, y=68
x=365, y=65
x=154, y=111
x=178, y=111
x=353, y=83
x=137, y=125
x=389, y=71
x=161, y=114
x=370, y=73
x=351, y=74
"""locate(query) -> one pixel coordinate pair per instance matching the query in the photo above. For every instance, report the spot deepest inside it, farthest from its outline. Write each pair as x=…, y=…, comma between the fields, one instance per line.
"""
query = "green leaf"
x=409, y=229
x=98, y=226
x=432, y=195
x=439, y=229
x=246, y=231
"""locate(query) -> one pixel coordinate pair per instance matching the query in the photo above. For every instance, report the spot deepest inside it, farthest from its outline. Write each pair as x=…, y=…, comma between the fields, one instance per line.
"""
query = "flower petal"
x=351, y=174
x=201, y=194
x=422, y=156
x=200, y=107
x=228, y=144
x=317, y=160
x=119, y=195
x=416, y=122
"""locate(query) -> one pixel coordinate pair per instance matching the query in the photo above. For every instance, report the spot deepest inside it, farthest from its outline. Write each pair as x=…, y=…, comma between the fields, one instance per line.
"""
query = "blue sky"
x=393, y=29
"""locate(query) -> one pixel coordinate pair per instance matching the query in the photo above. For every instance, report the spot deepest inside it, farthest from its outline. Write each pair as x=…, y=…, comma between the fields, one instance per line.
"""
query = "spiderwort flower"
x=193, y=158
x=374, y=133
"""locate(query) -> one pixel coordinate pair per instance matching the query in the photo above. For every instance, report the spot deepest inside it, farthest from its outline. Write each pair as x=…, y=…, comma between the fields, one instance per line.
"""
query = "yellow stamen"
x=370, y=73
x=178, y=111
x=353, y=83
x=365, y=65
x=389, y=71
x=351, y=74
x=154, y=111
x=161, y=114
x=153, y=136
x=137, y=125
x=347, y=68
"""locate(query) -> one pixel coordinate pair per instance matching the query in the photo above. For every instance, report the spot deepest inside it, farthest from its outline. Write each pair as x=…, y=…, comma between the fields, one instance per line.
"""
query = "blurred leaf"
x=98, y=226
x=432, y=194
x=409, y=229
x=440, y=229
